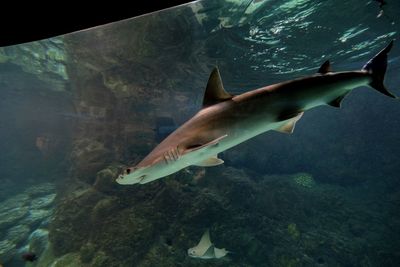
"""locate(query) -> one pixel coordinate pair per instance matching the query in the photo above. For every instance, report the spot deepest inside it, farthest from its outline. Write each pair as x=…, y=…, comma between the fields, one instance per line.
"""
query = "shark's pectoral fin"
x=288, y=127
x=337, y=101
x=213, y=161
x=203, y=146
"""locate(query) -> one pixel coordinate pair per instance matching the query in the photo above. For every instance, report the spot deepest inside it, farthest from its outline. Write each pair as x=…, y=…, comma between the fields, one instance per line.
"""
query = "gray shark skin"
x=226, y=121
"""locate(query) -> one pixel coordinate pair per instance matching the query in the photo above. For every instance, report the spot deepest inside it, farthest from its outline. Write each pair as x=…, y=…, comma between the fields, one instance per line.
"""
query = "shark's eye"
x=128, y=171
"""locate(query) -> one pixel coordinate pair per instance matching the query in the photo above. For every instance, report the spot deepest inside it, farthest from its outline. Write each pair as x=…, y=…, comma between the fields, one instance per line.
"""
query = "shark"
x=206, y=250
x=226, y=120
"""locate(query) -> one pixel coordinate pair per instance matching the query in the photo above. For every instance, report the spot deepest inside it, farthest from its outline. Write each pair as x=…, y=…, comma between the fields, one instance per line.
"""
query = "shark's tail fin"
x=377, y=68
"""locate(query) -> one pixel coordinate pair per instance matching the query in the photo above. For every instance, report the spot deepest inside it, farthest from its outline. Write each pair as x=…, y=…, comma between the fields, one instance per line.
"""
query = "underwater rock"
x=89, y=156
x=38, y=241
x=105, y=179
x=36, y=216
x=153, y=256
x=7, y=250
x=40, y=190
x=87, y=252
x=45, y=58
x=72, y=224
x=293, y=231
x=304, y=179
x=42, y=202
x=100, y=259
x=103, y=208
x=10, y=217
x=68, y=260
x=18, y=233
x=14, y=202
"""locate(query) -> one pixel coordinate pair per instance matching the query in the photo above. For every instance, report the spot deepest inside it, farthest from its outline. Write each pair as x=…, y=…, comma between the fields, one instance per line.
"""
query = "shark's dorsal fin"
x=215, y=92
x=213, y=161
x=325, y=67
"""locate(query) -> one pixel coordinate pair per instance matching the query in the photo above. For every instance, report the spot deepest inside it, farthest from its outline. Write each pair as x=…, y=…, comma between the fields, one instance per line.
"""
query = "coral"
x=304, y=180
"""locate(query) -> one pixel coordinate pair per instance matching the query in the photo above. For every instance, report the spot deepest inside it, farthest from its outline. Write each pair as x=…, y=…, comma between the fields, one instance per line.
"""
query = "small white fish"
x=206, y=250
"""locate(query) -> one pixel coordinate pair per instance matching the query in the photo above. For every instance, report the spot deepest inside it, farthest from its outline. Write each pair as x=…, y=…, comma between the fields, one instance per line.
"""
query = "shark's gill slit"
x=171, y=154
x=173, y=151
x=166, y=158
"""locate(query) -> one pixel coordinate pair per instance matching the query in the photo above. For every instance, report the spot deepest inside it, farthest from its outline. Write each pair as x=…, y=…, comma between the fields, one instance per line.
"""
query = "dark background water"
x=75, y=105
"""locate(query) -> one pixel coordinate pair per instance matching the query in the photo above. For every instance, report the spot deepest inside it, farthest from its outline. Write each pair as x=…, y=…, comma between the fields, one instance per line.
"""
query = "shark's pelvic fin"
x=325, y=67
x=337, y=102
x=289, y=126
x=208, y=144
x=215, y=92
x=213, y=161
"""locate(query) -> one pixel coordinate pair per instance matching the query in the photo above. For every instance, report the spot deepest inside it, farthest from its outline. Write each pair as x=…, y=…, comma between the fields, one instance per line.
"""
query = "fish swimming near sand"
x=206, y=250
x=226, y=120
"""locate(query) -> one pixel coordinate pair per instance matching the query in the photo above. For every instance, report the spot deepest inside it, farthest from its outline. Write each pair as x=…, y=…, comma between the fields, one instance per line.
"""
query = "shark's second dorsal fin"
x=215, y=91
x=325, y=67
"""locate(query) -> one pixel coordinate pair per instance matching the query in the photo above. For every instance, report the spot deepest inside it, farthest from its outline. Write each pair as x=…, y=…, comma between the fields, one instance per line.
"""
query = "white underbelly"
x=233, y=139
